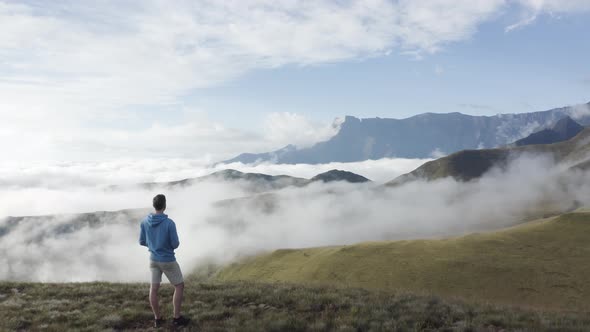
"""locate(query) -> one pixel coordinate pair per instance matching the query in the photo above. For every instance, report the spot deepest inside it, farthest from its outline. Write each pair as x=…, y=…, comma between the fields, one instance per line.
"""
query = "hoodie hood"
x=154, y=219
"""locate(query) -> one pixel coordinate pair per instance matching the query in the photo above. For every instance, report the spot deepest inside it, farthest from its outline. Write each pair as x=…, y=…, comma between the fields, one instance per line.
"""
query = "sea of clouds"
x=39, y=249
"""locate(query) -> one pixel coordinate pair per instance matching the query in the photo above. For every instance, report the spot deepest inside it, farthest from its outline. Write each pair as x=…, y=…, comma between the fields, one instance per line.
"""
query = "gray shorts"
x=170, y=269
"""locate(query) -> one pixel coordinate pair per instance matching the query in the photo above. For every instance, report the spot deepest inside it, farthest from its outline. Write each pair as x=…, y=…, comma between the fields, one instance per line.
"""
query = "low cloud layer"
x=320, y=214
x=60, y=175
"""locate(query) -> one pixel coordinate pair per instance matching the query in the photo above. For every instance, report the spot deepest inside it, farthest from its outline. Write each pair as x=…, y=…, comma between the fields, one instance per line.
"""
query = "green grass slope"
x=542, y=264
x=260, y=307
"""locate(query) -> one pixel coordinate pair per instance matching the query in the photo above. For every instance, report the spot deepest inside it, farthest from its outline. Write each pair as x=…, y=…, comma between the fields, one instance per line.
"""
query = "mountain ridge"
x=418, y=136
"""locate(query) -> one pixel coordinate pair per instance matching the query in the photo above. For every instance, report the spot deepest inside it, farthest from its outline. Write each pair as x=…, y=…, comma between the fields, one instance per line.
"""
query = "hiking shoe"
x=159, y=322
x=181, y=321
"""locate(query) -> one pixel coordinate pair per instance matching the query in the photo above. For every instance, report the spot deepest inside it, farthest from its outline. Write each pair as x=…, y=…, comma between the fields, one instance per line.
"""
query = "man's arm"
x=173, y=235
x=142, y=236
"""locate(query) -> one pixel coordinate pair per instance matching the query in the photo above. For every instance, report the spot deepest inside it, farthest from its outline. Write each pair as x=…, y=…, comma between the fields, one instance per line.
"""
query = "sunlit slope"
x=545, y=263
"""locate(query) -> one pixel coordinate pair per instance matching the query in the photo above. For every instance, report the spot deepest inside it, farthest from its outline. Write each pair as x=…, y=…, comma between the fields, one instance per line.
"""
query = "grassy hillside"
x=543, y=264
x=260, y=307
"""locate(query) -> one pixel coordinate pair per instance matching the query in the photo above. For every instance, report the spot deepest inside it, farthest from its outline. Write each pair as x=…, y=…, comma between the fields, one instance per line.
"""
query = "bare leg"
x=177, y=299
x=154, y=300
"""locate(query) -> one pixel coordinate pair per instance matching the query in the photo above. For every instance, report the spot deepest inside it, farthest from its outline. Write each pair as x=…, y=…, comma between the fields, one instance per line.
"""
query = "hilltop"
x=338, y=175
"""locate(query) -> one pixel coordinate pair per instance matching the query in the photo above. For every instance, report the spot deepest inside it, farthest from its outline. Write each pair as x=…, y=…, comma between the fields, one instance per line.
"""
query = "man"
x=158, y=233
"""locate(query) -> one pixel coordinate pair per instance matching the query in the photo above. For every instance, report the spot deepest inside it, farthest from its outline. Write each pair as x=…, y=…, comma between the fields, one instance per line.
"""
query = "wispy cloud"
x=521, y=24
x=16, y=175
x=531, y=9
x=555, y=6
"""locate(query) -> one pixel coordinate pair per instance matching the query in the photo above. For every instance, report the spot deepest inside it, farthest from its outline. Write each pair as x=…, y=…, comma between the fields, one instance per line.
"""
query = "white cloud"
x=531, y=9
x=15, y=175
x=291, y=128
x=428, y=25
x=437, y=153
x=579, y=111
x=555, y=6
x=59, y=175
x=192, y=137
x=189, y=136
x=520, y=24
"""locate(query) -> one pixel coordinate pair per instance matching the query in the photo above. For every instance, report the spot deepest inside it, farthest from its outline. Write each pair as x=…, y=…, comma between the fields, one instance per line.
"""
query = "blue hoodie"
x=158, y=233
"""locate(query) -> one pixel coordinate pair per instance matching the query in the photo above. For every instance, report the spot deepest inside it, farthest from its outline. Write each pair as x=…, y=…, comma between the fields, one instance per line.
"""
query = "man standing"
x=158, y=233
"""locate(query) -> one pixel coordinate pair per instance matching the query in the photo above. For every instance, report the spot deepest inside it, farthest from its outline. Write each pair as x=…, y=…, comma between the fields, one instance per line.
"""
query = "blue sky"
x=209, y=79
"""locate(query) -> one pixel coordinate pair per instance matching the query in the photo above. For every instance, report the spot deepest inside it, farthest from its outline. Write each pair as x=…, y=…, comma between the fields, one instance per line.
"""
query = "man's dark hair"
x=159, y=202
